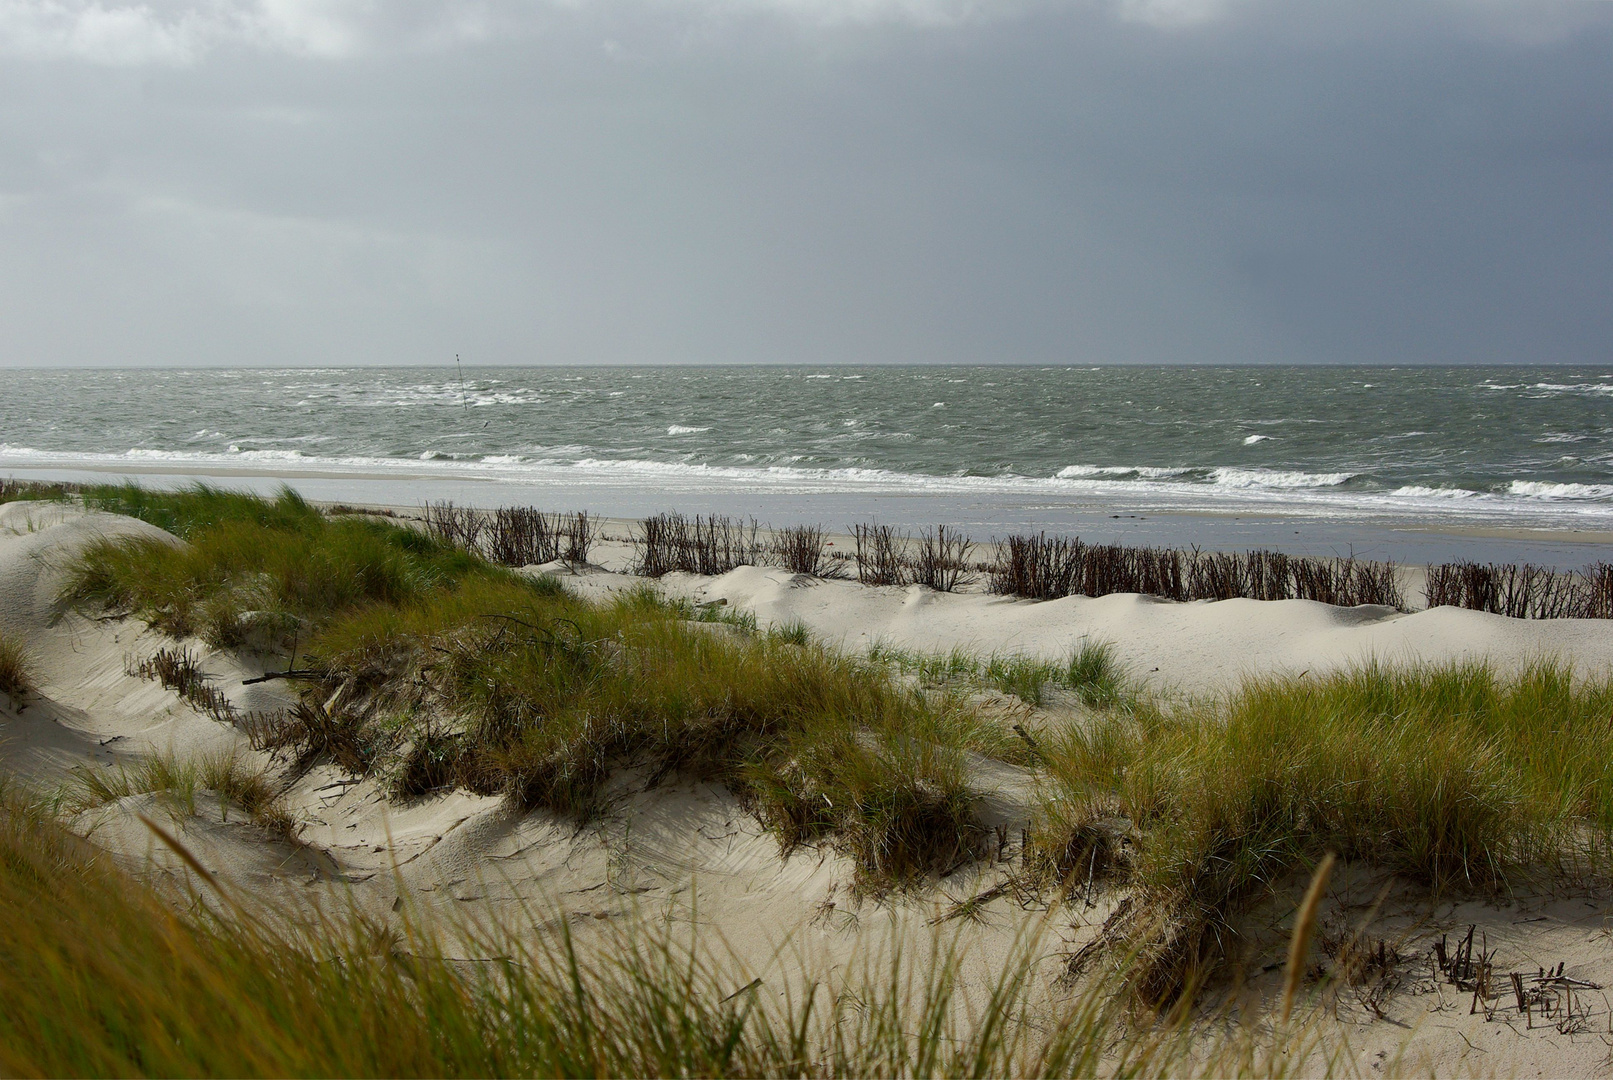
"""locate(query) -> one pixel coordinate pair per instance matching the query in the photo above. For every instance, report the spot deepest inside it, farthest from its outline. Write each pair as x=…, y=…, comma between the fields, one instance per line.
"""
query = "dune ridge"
x=690, y=849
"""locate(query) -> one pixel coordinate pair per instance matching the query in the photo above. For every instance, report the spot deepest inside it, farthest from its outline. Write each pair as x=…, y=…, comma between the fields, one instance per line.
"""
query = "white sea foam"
x=1583, y=388
x=1276, y=479
x=1165, y=489
x=1532, y=489
x=1251, y=440
x=682, y=429
x=1145, y=472
x=1418, y=491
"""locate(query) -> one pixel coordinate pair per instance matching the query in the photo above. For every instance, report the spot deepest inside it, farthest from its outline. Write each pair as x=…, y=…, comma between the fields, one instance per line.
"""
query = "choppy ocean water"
x=1341, y=449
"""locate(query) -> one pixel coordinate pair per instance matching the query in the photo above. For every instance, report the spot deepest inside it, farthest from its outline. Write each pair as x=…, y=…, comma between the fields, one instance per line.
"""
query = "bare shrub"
x=799, y=549
x=1217, y=575
x=1039, y=567
x=1272, y=575
x=1374, y=583
x=1044, y=568
x=1115, y=568
x=700, y=545
x=655, y=549
x=514, y=535
x=1597, y=599
x=1521, y=590
x=521, y=536
x=942, y=561
x=577, y=534
x=457, y=525
x=880, y=555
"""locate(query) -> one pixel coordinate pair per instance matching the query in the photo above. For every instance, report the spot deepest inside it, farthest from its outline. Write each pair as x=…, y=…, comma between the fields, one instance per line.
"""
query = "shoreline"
x=1297, y=530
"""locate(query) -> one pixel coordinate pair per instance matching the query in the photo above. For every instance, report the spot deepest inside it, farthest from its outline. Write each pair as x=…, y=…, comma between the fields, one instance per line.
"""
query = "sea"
x=1412, y=463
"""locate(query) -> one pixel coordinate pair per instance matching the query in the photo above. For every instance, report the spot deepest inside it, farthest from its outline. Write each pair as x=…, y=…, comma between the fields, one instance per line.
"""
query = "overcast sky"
x=573, y=181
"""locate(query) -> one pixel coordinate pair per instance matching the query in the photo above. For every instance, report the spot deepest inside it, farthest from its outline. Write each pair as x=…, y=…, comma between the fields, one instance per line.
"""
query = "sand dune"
x=690, y=851
x=1193, y=648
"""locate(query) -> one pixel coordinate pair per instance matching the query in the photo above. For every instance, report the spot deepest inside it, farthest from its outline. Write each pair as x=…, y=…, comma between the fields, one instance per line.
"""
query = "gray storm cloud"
x=332, y=181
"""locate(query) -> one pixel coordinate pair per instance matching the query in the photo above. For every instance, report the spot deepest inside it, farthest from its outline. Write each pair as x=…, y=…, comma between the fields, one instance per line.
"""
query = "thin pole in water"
x=461, y=369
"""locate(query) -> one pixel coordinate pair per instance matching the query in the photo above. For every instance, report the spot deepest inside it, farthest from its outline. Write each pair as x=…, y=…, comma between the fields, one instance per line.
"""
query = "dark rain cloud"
x=333, y=182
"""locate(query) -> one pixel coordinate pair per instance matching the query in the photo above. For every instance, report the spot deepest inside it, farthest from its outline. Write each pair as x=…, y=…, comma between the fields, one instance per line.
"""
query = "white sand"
x=687, y=848
x=1195, y=648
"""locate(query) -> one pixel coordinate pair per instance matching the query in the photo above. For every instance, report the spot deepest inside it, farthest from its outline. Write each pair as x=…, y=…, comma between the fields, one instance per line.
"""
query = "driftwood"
x=299, y=673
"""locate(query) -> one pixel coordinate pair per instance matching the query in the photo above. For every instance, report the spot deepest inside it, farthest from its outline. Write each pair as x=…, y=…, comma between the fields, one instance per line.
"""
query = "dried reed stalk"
x=1304, y=927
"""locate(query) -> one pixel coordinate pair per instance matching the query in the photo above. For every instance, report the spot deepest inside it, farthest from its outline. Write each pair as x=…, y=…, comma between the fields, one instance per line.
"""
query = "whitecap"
x=1537, y=489
x=1144, y=472
x=1418, y=491
x=682, y=429
x=1251, y=440
x=1592, y=388
x=1275, y=478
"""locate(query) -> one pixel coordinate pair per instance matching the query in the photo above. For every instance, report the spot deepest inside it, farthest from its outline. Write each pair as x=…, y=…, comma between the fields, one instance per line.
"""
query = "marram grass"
x=436, y=669
x=541, y=696
x=16, y=667
x=238, y=784
x=256, y=570
x=1450, y=776
x=100, y=978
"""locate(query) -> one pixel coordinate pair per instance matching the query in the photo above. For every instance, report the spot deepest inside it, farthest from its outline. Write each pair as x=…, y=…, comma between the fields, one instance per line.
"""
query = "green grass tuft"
x=1095, y=675
x=233, y=780
x=1092, y=674
x=255, y=571
x=542, y=697
x=1450, y=776
x=17, y=677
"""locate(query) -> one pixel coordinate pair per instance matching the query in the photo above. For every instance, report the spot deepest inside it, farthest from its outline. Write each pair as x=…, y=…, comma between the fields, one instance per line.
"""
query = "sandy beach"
x=689, y=850
x=810, y=539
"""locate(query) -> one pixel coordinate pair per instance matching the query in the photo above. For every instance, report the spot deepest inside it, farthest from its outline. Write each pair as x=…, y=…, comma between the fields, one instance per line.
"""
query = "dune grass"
x=1453, y=777
x=14, y=490
x=1092, y=674
x=256, y=570
x=17, y=676
x=542, y=697
x=233, y=780
x=100, y=978
x=439, y=669
x=461, y=674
